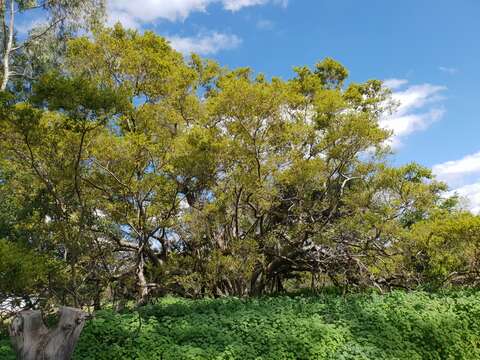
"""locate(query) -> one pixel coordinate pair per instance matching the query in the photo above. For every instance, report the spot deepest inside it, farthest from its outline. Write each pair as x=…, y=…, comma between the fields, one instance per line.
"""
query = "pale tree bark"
x=8, y=44
x=32, y=340
x=142, y=281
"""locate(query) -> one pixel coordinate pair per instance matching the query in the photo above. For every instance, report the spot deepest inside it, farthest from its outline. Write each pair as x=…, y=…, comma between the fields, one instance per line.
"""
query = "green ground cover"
x=398, y=325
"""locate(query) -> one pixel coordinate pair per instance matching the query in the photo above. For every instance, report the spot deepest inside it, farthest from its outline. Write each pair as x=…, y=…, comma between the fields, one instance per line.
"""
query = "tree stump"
x=32, y=340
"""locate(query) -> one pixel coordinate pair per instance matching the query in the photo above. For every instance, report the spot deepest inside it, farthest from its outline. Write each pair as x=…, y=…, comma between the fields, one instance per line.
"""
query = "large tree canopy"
x=136, y=172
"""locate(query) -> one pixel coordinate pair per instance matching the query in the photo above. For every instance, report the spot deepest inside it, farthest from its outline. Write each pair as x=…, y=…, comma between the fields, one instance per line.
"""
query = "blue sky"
x=427, y=50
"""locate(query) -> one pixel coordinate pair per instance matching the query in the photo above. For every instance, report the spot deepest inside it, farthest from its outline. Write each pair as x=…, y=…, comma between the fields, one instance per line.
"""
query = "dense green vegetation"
x=398, y=325
x=134, y=172
x=129, y=171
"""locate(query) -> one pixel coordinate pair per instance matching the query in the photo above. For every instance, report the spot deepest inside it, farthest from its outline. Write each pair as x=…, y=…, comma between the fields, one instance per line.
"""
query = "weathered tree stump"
x=32, y=340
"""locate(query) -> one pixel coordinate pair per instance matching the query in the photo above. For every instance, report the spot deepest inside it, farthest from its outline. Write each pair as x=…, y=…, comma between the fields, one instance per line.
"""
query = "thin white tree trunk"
x=8, y=48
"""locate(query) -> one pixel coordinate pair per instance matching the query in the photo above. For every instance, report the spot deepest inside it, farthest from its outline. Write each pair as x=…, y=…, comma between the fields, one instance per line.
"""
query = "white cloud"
x=455, y=171
x=394, y=83
x=417, y=108
x=417, y=96
x=403, y=125
x=463, y=175
x=205, y=44
x=135, y=14
x=448, y=70
x=235, y=5
x=470, y=195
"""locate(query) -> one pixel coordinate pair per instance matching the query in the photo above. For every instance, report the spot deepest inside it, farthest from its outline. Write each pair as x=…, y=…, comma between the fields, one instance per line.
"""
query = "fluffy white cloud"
x=205, y=44
x=135, y=13
x=417, y=108
x=406, y=124
x=463, y=175
x=455, y=171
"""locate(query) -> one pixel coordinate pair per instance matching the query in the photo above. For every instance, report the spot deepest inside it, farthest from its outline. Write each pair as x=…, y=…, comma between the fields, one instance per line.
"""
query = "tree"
x=444, y=249
x=43, y=144
x=26, y=277
x=302, y=185
x=141, y=172
x=136, y=168
x=43, y=42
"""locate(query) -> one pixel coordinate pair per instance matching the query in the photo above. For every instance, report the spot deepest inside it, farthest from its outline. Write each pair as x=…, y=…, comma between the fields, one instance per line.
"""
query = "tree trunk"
x=143, y=290
x=8, y=42
x=32, y=340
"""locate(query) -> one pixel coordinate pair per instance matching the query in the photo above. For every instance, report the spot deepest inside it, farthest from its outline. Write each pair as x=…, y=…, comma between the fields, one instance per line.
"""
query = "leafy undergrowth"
x=5, y=350
x=395, y=326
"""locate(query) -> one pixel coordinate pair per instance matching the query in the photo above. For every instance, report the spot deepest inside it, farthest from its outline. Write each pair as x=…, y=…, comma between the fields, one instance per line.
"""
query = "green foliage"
x=128, y=172
x=24, y=272
x=146, y=173
x=6, y=352
x=445, y=249
x=363, y=326
x=331, y=73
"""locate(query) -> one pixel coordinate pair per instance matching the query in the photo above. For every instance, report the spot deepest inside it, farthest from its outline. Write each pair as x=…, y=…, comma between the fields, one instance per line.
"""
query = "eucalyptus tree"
x=24, y=55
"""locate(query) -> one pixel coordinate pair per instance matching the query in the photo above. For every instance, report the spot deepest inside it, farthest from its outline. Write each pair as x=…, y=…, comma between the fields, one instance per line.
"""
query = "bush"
x=398, y=325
